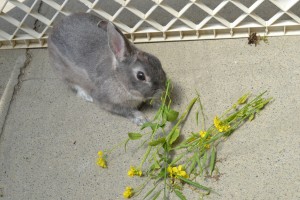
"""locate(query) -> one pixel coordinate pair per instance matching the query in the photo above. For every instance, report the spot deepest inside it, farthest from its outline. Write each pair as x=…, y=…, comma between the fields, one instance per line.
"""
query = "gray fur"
x=94, y=55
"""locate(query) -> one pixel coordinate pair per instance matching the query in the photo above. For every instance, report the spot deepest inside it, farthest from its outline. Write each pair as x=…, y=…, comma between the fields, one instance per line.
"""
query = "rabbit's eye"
x=141, y=76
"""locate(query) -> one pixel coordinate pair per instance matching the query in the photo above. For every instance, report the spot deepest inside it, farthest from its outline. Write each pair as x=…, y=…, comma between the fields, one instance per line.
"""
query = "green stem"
x=145, y=157
x=165, y=175
x=202, y=112
x=116, y=146
x=183, y=116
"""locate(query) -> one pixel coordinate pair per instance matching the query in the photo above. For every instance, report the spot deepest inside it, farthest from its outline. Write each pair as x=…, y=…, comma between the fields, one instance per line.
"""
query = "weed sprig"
x=192, y=157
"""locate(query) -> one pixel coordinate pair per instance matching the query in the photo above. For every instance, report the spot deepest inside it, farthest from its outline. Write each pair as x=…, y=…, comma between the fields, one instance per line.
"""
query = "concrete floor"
x=50, y=137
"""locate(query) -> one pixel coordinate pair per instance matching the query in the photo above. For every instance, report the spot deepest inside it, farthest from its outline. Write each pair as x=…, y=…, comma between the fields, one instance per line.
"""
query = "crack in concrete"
x=22, y=71
x=16, y=88
x=36, y=22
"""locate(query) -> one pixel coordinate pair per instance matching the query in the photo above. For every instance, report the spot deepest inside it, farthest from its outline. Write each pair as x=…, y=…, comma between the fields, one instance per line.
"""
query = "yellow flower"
x=177, y=171
x=179, y=167
x=181, y=172
x=130, y=173
x=133, y=171
x=100, y=153
x=101, y=162
x=220, y=126
x=128, y=192
x=217, y=122
x=170, y=171
x=174, y=169
x=139, y=173
x=202, y=134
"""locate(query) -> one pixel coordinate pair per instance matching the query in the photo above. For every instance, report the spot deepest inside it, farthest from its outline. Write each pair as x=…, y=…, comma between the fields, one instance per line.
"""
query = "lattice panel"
x=26, y=23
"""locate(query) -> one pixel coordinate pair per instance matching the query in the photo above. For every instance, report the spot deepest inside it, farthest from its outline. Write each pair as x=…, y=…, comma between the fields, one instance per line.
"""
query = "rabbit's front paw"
x=82, y=93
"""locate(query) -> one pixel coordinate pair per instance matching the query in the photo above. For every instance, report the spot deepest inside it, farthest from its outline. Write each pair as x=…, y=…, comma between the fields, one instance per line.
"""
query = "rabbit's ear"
x=116, y=42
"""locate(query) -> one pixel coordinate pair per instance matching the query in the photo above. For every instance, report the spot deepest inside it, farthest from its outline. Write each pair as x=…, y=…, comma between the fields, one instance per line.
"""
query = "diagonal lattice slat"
x=26, y=23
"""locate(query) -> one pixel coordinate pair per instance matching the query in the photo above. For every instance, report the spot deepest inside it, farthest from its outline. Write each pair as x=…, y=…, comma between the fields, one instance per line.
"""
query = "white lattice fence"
x=26, y=23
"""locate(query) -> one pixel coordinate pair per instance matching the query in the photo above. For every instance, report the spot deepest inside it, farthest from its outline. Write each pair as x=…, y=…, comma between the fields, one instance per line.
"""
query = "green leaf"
x=157, y=142
x=134, y=136
x=164, y=116
x=204, y=159
x=196, y=185
x=199, y=164
x=125, y=145
x=149, y=124
x=193, y=165
x=179, y=194
x=197, y=117
x=161, y=174
x=251, y=117
x=173, y=135
x=243, y=99
x=212, y=160
x=172, y=115
x=155, y=166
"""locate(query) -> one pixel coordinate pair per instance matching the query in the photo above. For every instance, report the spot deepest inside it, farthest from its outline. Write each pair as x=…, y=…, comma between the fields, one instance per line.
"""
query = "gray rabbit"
x=96, y=60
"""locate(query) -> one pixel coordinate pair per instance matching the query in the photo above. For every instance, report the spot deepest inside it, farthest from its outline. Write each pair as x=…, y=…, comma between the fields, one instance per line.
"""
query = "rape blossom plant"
x=134, y=172
x=206, y=139
x=101, y=160
x=221, y=126
x=172, y=163
x=177, y=171
x=128, y=192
